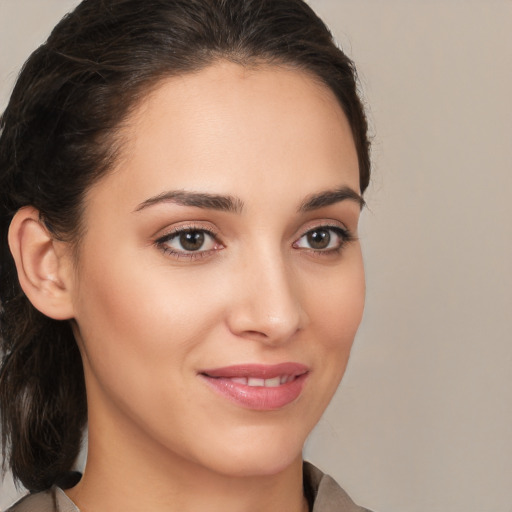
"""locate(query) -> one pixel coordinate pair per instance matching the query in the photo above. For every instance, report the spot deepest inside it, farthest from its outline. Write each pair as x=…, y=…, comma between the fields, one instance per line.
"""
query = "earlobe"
x=43, y=269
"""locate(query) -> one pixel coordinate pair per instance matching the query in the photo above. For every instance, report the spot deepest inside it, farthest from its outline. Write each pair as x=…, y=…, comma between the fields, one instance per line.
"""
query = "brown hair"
x=58, y=136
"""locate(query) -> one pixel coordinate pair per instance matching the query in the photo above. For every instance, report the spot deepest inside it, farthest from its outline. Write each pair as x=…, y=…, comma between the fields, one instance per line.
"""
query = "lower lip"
x=258, y=398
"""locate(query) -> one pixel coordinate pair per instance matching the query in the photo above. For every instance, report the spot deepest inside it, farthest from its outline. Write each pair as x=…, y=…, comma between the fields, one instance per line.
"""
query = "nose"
x=266, y=305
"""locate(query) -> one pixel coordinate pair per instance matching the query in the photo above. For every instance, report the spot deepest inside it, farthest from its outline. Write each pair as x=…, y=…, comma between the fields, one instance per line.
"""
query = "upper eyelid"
x=213, y=231
x=327, y=227
x=161, y=243
x=322, y=223
x=344, y=233
x=175, y=230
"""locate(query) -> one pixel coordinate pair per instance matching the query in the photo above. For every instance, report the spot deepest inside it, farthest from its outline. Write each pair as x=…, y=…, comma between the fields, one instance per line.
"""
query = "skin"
x=148, y=320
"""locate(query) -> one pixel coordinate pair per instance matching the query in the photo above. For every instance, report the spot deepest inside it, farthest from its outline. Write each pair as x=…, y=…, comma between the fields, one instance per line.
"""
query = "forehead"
x=230, y=129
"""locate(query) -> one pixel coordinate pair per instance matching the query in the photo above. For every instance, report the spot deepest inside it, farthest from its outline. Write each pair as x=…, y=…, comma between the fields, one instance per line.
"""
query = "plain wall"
x=422, y=421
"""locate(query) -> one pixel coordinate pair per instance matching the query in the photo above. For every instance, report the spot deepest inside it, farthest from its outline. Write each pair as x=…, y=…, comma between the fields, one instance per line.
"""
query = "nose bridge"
x=268, y=305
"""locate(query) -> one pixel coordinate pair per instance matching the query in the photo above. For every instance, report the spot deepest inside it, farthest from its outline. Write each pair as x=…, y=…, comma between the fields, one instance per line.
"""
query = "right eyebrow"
x=329, y=197
x=196, y=199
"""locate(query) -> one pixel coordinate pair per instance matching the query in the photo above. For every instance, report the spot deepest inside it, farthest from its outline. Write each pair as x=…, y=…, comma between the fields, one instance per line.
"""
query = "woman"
x=181, y=183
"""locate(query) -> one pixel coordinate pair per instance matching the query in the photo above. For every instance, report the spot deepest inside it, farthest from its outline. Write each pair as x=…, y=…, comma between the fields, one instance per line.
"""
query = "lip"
x=229, y=382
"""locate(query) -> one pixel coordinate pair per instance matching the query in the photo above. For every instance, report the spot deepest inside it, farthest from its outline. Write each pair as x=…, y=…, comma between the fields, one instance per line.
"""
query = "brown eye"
x=319, y=239
x=192, y=240
x=188, y=241
x=323, y=239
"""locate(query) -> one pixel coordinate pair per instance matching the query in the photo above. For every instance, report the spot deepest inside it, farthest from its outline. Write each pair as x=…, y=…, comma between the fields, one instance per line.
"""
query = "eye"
x=323, y=238
x=189, y=242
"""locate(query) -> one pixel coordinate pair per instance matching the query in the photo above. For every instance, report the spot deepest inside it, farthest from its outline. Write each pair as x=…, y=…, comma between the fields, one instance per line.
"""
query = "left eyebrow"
x=329, y=197
x=196, y=199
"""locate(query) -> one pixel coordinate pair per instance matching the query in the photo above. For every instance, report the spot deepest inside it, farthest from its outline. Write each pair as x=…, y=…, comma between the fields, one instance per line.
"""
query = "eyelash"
x=162, y=242
x=343, y=234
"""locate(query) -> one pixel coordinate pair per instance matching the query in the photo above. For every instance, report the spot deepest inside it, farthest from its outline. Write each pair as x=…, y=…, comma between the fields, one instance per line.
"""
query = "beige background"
x=422, y=420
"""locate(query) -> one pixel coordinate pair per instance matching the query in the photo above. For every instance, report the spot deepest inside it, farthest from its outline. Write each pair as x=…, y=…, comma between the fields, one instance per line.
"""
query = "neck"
x=125, y=472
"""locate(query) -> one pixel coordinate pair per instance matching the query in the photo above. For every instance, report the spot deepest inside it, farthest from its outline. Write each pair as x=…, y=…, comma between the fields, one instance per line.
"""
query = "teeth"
x=273, y=383
x=255, y=382
x=268, y=383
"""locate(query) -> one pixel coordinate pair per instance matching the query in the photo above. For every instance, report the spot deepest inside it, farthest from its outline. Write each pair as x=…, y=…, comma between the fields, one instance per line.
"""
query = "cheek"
x=141, y=333
x=335, y=312
x=133, y=291
x=138, y=318
x=336, y=307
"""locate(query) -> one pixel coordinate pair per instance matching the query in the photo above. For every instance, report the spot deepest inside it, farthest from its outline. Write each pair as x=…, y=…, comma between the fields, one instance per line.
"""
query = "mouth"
x=267, y=383
x=258, y=387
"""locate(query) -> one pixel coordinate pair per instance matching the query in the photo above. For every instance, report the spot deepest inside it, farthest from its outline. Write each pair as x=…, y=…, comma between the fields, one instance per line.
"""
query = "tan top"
x=323, y=493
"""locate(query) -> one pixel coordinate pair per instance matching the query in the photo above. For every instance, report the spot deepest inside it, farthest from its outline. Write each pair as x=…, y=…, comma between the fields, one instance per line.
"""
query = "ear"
x=43, y=264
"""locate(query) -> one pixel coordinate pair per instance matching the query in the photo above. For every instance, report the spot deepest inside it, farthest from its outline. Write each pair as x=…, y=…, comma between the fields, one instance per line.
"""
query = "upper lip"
x=258, y=371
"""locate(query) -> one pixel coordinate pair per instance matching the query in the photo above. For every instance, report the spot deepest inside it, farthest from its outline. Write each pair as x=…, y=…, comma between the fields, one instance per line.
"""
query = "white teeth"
x=255, y=382
x=268, y=383
x=273, y=383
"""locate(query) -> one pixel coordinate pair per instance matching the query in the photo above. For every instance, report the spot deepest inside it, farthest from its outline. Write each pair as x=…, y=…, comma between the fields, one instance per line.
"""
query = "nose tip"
x=268, y=308
x=274, y=327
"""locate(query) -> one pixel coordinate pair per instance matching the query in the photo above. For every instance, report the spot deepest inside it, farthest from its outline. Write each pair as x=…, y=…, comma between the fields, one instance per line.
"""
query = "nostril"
x=257, y=334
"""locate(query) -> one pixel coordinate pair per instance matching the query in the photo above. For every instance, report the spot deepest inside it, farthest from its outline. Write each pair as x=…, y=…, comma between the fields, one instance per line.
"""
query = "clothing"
x=327, y=495
x=323, y=493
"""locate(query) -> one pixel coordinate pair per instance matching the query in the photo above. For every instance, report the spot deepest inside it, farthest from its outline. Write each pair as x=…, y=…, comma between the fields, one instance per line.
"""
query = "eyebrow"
x=235, y=205
x=329, y=197
x=195, y=199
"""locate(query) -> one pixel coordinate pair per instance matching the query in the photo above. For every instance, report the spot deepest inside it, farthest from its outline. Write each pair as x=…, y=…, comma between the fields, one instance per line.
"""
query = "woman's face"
x=220, y=282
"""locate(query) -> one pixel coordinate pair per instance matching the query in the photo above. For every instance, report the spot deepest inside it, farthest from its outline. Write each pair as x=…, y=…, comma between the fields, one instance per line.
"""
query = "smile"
x=258, y=387
x=267, y=383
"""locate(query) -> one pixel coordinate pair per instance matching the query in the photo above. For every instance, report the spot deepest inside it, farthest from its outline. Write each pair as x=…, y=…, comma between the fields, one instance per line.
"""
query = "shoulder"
x=38, y=502
x=52, y=500
x=325, y=493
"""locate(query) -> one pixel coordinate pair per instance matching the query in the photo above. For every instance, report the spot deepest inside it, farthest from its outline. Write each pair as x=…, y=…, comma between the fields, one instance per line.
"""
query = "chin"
x=259, y=467
x=259, y=455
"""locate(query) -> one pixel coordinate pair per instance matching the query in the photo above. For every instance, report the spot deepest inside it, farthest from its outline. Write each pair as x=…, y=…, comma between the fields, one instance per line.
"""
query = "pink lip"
x=259, y=398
